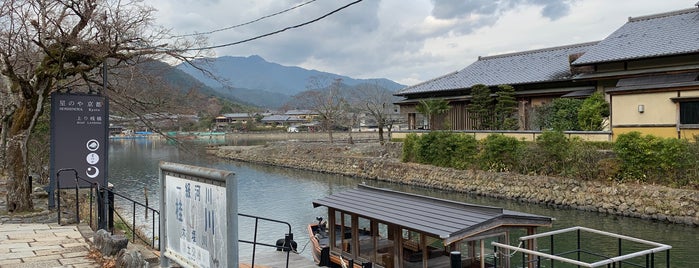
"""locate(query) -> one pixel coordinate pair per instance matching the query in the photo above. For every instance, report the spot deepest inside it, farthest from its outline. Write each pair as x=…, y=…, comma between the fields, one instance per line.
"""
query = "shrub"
x=652, y=159
x=445, y=149
x=553, y=149
x=637, y=155
x=584, y=161
x=499, y=153
x=409, y=147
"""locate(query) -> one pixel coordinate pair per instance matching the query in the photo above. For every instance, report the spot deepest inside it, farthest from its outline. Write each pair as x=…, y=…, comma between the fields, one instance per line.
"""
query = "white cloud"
x=406, y=41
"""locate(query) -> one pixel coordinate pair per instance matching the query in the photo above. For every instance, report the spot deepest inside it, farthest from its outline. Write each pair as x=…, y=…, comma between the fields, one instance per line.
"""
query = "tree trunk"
x=18, y=185
x=380, y=125
x=18, y=192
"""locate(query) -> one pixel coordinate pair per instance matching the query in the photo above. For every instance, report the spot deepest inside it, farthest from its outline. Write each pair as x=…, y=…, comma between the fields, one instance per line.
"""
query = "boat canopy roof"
x=449, y=220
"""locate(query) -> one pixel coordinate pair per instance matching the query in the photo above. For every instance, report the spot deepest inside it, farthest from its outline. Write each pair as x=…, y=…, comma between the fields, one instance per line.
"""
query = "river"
x=286, y=194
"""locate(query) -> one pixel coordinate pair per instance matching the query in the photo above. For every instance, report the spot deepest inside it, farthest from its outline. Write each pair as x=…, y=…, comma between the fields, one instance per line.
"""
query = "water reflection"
x=286, y=194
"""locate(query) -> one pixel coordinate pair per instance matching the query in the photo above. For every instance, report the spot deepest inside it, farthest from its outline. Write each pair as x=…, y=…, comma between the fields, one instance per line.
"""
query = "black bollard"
x=455, y=259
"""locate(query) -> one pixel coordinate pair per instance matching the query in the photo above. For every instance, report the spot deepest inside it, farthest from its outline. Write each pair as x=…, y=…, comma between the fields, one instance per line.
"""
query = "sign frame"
x=221, y=182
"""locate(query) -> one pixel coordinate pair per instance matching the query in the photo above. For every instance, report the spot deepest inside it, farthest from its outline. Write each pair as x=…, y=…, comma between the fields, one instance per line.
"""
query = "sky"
x=408, y=41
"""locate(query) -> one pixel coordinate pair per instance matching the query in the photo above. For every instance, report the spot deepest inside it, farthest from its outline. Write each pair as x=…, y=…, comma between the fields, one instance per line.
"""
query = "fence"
x=106, y=198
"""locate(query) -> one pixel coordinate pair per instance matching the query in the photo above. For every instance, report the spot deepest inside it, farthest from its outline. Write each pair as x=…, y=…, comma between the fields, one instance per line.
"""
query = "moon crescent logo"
x=92, y=172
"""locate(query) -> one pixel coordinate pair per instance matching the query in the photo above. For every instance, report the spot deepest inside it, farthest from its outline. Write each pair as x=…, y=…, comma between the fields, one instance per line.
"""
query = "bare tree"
x=376, y=101
x=46, y=45
x=324, y=97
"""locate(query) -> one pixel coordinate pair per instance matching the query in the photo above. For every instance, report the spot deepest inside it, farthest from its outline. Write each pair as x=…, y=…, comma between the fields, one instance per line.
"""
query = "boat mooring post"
x=455, y=259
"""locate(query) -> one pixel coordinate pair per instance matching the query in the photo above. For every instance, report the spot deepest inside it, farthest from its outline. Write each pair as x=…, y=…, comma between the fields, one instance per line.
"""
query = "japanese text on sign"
x=196, y=221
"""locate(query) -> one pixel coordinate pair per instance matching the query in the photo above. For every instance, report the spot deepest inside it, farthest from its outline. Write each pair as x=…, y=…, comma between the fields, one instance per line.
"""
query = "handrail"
x=658, y=247
x=287, y=238
x=106, y=192
x=287, y=247
x=132, y=228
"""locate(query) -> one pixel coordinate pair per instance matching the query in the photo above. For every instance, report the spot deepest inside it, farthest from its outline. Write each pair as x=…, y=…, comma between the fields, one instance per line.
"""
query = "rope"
x=303, y=249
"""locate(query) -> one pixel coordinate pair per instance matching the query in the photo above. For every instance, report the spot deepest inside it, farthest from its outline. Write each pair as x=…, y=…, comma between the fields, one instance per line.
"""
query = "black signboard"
x=79, y=138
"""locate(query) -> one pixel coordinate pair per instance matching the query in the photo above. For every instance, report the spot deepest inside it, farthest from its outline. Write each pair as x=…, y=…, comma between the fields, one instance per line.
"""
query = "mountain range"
x=255, y=81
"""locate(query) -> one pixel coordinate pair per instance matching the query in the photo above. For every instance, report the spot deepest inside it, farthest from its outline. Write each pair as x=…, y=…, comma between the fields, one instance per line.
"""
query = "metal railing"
x=536, y=258
x=105, y=199
x=132, y=227
x=106, y=196
x=288, y=238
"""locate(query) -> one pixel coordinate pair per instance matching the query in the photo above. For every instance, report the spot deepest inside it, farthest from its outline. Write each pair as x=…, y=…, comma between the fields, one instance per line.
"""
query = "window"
x=689, y=113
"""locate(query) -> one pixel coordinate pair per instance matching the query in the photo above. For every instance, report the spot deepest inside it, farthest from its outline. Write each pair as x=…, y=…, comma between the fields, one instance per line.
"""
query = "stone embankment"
x=372, y=161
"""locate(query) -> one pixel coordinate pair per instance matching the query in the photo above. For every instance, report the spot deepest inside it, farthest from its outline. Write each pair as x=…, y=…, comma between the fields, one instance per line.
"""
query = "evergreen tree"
x=481, y=107
x=592, y=112
x=506, y=109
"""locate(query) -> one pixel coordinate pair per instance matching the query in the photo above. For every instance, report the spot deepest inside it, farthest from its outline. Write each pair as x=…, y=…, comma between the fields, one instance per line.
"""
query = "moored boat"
x=374, y=227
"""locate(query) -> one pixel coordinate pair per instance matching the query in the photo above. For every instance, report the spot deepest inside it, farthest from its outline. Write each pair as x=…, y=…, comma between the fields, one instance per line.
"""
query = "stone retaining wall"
x=381, y=163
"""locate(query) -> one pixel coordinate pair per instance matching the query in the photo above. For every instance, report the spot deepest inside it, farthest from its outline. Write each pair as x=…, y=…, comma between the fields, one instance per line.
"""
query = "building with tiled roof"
x=648, y=70
x=528, y=67
x=537, y=75
x=660, y=35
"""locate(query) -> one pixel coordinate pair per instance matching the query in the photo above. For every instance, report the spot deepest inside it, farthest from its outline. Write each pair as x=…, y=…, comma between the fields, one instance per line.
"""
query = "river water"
x=286, y=195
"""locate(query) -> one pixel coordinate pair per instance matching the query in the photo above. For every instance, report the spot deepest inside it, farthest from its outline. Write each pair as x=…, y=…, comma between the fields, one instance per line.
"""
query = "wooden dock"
x=276, y=259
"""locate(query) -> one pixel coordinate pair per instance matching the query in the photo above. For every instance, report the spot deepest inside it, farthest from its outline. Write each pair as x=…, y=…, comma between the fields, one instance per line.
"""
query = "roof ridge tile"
x=520, y=53
x=664, y=14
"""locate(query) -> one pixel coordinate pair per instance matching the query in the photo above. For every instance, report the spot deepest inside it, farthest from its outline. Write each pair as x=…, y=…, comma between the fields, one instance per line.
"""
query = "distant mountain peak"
x=255, y=73
x=256, y=58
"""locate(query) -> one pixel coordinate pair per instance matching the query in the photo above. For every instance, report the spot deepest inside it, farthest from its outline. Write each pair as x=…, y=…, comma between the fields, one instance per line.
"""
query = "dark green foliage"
x=481, y=107
x=592, y=112
x=548, y=156
x=499, y=153
x=409, y=147
x=561, y=115
x=446, y=149
x=554, y=145
x=660, y=160
x=506, y=109
x=672, y=162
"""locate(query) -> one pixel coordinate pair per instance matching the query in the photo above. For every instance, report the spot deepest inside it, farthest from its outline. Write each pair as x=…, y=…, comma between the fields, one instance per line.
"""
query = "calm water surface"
x=286, y=195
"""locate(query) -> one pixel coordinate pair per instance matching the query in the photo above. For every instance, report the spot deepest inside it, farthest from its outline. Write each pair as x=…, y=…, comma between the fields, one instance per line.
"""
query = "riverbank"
x=369, y=160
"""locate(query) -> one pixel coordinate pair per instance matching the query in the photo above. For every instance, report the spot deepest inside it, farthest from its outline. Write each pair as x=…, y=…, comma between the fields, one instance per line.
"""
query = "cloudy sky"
x=408, y=41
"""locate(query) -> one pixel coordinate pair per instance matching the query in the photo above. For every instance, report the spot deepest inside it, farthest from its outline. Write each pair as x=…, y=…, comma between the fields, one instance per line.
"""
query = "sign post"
x=79, y=139
x=198, y=216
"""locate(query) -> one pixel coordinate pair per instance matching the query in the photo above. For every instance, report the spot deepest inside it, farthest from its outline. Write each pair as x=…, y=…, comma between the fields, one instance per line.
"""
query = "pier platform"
x=276, y=259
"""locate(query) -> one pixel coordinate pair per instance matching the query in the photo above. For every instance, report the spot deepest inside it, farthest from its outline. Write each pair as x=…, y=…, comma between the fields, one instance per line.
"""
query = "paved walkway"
x=43, y=245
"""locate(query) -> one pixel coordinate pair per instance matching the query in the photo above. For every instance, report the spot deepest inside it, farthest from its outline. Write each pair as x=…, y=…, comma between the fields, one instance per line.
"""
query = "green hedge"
x=659, y=160
x=673, y=162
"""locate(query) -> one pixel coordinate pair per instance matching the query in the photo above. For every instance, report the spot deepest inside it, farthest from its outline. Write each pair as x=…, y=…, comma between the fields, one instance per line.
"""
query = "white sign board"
x=197, y=223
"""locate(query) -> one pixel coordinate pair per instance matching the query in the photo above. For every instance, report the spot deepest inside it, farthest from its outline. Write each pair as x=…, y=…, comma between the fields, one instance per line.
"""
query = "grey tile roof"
x=443, y=218
x=663, y=34
x=237, y=115
x=542, y=65
x=300, y=112
x=661, y=81
x=282, y=118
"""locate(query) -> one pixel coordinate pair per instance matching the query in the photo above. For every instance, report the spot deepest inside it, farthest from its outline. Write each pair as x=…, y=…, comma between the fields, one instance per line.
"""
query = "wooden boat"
x=373, y=227
x=376, y=227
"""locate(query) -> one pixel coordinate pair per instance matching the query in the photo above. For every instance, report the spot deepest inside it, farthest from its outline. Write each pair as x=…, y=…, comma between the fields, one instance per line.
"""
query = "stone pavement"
x=44, y=245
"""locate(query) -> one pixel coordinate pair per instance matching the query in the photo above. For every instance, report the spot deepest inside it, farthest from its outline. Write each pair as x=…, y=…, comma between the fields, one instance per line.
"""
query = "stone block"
x=130, y=259
x=109, y=245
